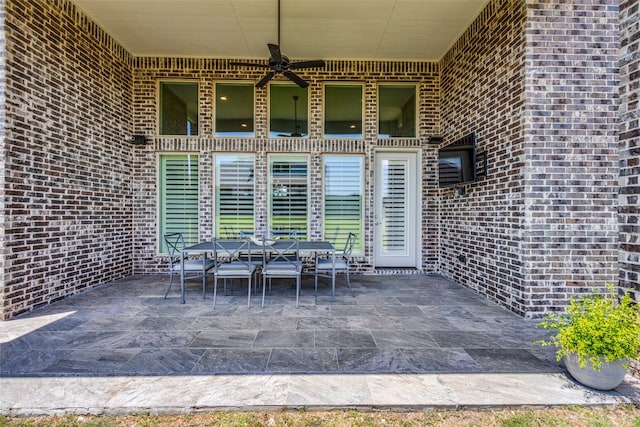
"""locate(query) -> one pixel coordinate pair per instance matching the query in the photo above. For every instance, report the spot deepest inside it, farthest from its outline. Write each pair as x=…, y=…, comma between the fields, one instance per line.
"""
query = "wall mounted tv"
x=457, y=162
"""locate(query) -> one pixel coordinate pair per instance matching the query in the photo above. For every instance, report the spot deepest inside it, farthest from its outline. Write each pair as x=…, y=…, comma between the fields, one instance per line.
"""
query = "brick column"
x=629, y=145
x=570, y=236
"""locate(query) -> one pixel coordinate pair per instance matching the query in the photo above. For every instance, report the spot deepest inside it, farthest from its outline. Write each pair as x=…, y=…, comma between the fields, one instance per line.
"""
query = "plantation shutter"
x=289, y=195
x=234, y=195
x=343, y=181
x=395, y=206
x=179, y=197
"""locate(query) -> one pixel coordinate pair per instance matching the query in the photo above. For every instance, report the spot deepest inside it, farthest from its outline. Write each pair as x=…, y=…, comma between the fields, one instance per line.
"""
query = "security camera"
x=137, y=139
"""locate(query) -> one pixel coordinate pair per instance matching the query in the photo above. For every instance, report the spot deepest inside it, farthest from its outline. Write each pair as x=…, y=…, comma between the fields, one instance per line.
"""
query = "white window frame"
x=269, y=111
x=416, y=109
x=270, y=158
x=215, y=105
x=215, y=185
x=359, y=249
x=159, y=208
x=159, y=107
x=324, y=109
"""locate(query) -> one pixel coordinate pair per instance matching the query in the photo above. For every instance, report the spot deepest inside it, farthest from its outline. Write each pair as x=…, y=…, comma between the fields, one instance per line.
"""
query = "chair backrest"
x=229, y=232
x=283, y=233
x=348, y=246
x=237, y=250
x=175, y=243
x=244, y=234
x=283, y=251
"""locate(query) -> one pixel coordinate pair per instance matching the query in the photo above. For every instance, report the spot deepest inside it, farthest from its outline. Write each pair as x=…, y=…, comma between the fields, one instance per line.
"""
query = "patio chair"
x=234, y=259
x=286, y=234
x=281, y=260
x=342, y=260
x=229, y=232
x=283, y=233
x=193, y=267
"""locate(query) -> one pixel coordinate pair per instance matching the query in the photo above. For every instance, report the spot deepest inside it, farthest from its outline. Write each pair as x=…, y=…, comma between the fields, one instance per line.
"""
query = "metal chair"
x=234, y=259
x=229, y=232
x=281, y=260
x=195, y=267
x=324, y=265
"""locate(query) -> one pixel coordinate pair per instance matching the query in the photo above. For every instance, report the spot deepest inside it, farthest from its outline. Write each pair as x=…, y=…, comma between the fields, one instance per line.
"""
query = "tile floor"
x=391, y=324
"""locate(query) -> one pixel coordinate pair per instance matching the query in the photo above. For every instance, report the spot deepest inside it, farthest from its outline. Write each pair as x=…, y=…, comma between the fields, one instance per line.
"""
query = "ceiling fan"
x=279, y=63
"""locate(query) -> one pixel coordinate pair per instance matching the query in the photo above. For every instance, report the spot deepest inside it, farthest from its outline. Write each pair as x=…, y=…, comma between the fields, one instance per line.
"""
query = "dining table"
x=306, y=247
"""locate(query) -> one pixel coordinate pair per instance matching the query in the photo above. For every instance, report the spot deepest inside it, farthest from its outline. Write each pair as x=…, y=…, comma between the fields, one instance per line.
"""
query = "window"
x=288, y=194
x=289, y=110
x=178, y=113
x=234, y=109
x=396, y=111
x=342, y=111
x=343, y=204
x=178, y=197
x=234, y=194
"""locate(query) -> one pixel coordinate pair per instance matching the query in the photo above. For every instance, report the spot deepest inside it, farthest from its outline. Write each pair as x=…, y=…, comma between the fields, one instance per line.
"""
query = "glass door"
x=396, y=226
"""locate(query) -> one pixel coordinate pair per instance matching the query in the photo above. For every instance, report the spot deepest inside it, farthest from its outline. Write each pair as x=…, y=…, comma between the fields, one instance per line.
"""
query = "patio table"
x=314, y=247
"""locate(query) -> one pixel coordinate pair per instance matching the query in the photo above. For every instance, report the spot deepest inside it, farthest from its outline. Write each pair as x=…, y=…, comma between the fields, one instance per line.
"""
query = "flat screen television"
x=457, y=162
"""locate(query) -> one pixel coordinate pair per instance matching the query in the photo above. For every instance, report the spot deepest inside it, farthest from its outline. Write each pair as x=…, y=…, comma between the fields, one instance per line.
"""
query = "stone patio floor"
x=397, y=341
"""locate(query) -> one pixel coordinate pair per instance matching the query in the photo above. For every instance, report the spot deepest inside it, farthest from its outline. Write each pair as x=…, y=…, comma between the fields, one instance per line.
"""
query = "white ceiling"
x=310, y=29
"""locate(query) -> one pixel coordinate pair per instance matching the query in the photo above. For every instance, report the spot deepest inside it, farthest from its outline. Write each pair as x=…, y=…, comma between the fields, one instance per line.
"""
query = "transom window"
x=178, y=108
x=288, y=195
x=288, y=111
x=343, y=199
x=396, y=110
x=342, y=110
x=234, y=109
x=234, y=199
x=178, y=210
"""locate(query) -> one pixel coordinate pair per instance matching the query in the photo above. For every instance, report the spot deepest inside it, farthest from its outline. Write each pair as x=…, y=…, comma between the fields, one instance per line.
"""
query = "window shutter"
x=395, y=206
x=234, y=195
x=179, y=197
x=289, y=189
x=343, y=199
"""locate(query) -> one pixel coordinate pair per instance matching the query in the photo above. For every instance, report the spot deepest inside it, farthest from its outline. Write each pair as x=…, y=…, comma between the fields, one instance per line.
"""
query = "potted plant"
x=597, y=336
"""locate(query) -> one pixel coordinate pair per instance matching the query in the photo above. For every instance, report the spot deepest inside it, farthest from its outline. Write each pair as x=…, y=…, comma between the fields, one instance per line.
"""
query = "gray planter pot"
x=609, y=377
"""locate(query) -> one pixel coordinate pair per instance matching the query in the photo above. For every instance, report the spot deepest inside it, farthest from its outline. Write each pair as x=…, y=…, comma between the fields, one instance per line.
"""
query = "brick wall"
x=570, y=244
x=148, y=71
x=537, y=81
x=629, y=118
x=3, y=144
x=66, y=172
x=483, y=92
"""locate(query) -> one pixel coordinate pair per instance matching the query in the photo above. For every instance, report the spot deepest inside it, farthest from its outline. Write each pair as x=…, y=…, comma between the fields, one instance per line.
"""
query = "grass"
x=619, y=416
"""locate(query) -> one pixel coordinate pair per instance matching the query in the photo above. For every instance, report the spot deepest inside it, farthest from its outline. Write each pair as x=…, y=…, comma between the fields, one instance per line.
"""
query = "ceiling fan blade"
x=274, y=49
x=266, y=78
x=296, y=79
x=307, y=64
x=249, y=64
